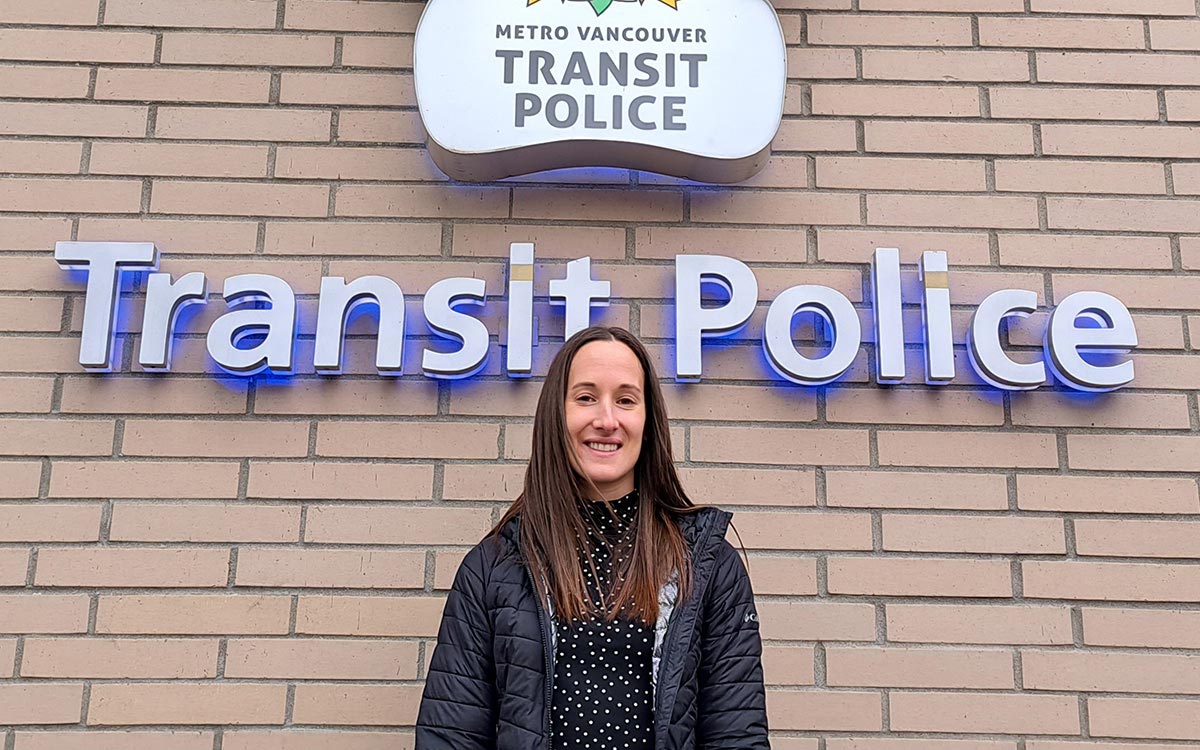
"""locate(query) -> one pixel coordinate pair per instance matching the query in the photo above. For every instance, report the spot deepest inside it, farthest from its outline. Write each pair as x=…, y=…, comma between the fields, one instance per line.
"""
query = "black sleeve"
x=732, y=702
x=459, y=706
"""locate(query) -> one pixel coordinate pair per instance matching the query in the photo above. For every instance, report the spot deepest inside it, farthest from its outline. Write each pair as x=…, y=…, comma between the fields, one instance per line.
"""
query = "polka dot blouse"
x=602, y=675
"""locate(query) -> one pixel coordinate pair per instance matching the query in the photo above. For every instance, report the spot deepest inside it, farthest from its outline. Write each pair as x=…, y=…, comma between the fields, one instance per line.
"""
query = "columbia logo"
x=750, y=617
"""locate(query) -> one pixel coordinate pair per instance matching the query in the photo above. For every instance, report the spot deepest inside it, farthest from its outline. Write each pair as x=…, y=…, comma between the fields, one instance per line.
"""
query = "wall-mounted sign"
x=258, y=331
x=689, y=88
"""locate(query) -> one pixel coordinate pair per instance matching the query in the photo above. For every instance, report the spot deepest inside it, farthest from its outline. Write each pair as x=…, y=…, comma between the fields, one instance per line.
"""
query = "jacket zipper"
x=549, y=676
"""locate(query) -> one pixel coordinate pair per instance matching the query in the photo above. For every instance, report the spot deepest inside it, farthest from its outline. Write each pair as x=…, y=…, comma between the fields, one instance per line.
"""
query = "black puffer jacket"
x=488, y=689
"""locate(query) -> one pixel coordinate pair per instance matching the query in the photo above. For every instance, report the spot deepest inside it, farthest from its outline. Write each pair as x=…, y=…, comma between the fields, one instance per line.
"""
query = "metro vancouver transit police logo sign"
x=688, y=88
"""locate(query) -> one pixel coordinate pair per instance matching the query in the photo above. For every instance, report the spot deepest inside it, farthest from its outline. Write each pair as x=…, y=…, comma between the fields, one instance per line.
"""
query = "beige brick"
x=230, y=14
x=42, y=82
x=1164, y=411
x=943, y=6
x=175, y=237
x=321, y=659
x=186, y=703
x=875, y=100
x=788, y=576
x=143, y=479
x=493, y=240
x=366, y=89
x=348, y=163
x=794, y=620
x=1129, y=7
x=999, y=624
x=1136, y=291
x=377, y=397
x=1110, y=672
x=1141, y=627
x=360, y=524
x=380, y=126
x=54, y=45
x=239, y=199
x=975, y=449
x=117, y=658
x=424, y=201
x=50, y=523
x=945, y=65
x=25, y=395
x=776, y=207
x=406, y=616
x=31, y=232
x=987, y=535
x=1121, y=140
x=1117, y=68
x=1059, y=33
x=347, y=481
x=276, y=50
x=31, y=314
x=204, y=523
x=919, y=577
x=88, y=395
x=233, y=439
x=363, y=705
x=1044, y=102
x=41, y=703
x=55, y=437
x=718, y=402
x=1127, y=538
x=1138, y=582
x=770, y=445
x=788, y=665
x=1134, y=452
x=1084, y=251
x=1112, y=494
x=115, y=740
x=1144, y=718
x=918, y=668
x=1186, y=178
x=128, y=566
x=901, y=174
x=66, y=196
x=834, y=711
x=165, y=85
x=170, y=159
x=308, y=739
x=1175, y=35
x=949, y=137
x=816, y=135
x=176, y=614
x=858, y=245
x=764, y=245
x=39, y=354
x=793, y=531
x=43, y=613
x=408, y=440
x=57, y=12
x=733, y=486
x=352, y=238
x=59, y=119
x=243, y=124
x=14, y=567
x=928, y=406
x=40, y=157
x=327, y=15
x=326, y=568
x=893, y=30
x=1061, y=176
x=377, y=52
x=467, y=482
x=8, y=656
x=893, y=489
x=984, y=712
x=601, y=205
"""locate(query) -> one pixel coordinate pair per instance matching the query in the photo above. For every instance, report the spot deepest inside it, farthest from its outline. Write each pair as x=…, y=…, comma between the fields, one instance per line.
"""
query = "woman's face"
x=606, y=413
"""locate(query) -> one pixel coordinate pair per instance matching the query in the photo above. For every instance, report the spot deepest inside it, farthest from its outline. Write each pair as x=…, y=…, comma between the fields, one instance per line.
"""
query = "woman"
x=644, y=637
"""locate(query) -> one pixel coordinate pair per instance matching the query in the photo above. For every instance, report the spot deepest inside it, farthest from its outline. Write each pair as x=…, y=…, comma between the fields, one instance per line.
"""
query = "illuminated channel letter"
x=935, y=313
x=983, y=342
x=837, y=312
x=165, y=299
x=889, y=323
x=338, y=300
x=104, y=262
x=579, y=293
x=276, y=325
x=693, y=322
x=447, y=322
x=1115, y=334
x=520, y=339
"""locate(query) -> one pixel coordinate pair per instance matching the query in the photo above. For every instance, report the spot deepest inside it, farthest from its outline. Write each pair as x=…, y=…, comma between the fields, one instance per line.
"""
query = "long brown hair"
x=553, y=525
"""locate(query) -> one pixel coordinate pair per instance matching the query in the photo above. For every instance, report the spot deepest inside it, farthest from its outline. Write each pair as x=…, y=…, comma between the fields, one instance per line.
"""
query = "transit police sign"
x=682, y=87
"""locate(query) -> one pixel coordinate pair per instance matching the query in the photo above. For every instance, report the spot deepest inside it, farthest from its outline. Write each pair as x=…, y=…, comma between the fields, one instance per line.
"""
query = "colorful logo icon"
x=602, y=5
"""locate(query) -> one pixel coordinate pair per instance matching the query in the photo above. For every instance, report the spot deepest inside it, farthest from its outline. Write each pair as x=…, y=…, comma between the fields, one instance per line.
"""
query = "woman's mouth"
x=603, y=447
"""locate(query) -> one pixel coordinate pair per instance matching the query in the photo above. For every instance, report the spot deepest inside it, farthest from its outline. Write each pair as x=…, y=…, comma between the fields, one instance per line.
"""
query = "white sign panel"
x=683, y=87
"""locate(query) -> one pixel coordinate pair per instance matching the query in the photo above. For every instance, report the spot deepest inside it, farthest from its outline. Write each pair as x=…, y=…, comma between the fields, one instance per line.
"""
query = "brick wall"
x=191, y=562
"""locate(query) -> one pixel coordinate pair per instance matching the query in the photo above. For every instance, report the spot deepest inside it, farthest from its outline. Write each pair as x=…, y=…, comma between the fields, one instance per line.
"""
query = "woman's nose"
x=606, y=418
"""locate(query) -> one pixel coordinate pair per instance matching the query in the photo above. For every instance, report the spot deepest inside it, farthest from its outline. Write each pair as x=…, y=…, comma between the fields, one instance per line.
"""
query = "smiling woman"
x=605, y=609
